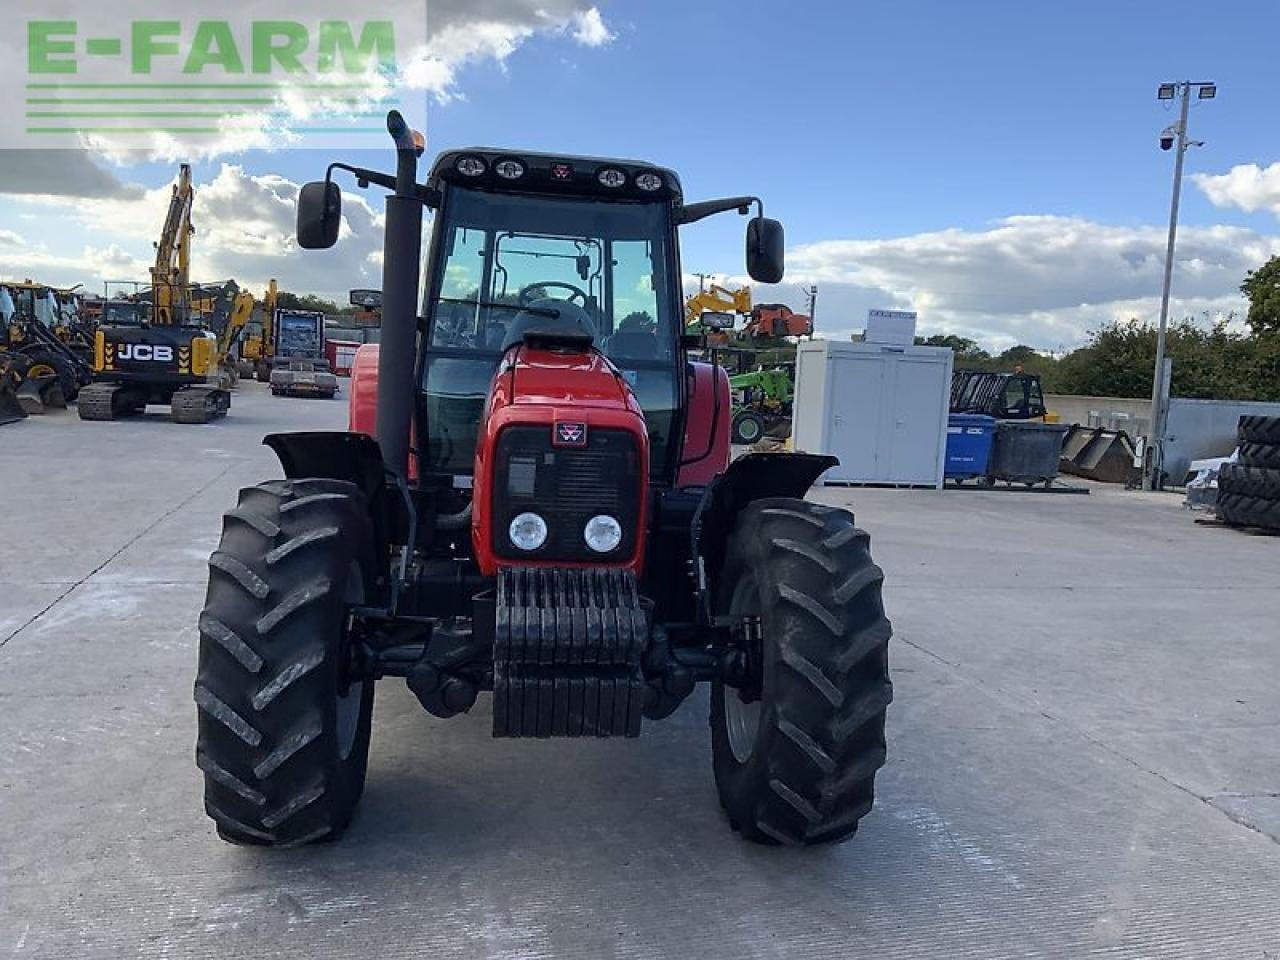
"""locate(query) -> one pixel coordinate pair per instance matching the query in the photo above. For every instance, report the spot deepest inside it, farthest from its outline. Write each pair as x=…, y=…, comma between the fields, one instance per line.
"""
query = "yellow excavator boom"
x=717, y=299
x=170, y=276
x=241, y=312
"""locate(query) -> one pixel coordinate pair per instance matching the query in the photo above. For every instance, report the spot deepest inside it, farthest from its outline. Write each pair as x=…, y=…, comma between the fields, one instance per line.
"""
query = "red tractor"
x=535, y=499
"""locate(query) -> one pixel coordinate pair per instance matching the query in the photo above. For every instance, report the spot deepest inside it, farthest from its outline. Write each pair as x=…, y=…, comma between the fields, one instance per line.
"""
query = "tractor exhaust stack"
x=402, y=255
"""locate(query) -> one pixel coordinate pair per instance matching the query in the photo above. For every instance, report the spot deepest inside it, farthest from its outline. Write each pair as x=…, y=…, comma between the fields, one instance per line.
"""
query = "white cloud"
x=1248, y=187
x=244, y=230
x=1040, y=280
x=589, y=29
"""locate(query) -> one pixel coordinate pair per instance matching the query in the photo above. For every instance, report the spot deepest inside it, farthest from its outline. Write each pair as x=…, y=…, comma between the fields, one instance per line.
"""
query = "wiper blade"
x=536, y=311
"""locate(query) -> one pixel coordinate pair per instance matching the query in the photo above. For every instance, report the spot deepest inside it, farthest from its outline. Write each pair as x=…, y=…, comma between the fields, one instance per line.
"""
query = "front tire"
x=797, y=763
x=283, y=735
x=748, y=427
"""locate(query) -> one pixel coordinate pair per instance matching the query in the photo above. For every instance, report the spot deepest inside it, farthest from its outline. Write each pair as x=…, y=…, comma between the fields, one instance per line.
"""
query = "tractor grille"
x=566, y=487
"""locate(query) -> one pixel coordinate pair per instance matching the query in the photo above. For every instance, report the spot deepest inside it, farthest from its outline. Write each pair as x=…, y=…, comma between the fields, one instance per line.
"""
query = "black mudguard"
x=756, y=476
x=352, y=457
x=332, y=454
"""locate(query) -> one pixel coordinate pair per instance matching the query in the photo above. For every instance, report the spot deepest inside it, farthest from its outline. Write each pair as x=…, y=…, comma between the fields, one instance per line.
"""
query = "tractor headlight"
x=603, y=533
x=649, y=182
x=509, y=169
x=470, y=166
x=528, y=531
x=612, y=178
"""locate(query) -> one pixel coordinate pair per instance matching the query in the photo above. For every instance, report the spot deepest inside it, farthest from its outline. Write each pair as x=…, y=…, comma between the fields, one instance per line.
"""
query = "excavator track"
x=198, y=405
x=97, y=401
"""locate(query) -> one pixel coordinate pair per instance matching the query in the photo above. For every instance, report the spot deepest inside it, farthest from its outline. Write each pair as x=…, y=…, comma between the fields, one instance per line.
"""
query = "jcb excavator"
x=168, y=358
x=226, y=310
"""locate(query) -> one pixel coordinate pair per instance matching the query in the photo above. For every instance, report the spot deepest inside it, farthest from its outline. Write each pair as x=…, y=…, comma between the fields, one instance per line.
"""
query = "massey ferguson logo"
x=144, y=351
x=571, y=434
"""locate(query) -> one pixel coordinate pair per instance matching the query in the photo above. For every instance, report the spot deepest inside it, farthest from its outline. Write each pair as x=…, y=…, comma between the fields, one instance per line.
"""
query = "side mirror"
x=319, y=215
x=714, y=320
x=765, y=244
x=369, y=299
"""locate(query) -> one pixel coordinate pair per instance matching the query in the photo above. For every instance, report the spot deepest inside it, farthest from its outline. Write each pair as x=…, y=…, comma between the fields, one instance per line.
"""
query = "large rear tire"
x=1263, y=455
x=283, y=728
x=1249, y=481
x=1245, y=511
x=795, y=762
x=1255, y=429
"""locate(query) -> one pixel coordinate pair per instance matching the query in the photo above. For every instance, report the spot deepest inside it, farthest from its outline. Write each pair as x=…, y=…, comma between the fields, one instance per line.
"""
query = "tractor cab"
x=532, y=243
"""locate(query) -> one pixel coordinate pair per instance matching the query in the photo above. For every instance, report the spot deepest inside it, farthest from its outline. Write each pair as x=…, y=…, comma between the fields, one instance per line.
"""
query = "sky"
x=993, y=165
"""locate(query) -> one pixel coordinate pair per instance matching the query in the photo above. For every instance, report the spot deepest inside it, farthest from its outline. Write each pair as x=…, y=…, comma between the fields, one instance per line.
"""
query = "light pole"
x=1173, y=138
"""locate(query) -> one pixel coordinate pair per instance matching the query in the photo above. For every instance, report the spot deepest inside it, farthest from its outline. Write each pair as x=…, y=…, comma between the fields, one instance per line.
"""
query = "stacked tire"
x=1249, y=490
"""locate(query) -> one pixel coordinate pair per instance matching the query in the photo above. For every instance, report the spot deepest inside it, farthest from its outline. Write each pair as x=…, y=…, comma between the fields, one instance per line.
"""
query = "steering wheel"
x=574, y=293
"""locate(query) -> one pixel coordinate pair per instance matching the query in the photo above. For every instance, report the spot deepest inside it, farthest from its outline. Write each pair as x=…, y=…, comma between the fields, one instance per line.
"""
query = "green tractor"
x=761, y=404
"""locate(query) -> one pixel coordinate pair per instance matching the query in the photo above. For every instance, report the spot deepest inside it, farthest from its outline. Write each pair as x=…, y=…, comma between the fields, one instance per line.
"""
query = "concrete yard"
x=1084, y=749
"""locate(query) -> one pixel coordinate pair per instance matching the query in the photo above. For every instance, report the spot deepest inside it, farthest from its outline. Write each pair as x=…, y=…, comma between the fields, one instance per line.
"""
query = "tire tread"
x=822, y=738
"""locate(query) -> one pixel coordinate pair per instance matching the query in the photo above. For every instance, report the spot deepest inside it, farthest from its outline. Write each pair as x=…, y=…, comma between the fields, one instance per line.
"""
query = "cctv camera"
x=1166, y=141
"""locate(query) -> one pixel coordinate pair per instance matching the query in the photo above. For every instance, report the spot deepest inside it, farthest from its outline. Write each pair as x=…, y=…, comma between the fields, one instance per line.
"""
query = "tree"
x=637, y=320
x=1021, y=354
x=309, y=301
x=1262, y=287
x=966, y=350
x=1213, y=363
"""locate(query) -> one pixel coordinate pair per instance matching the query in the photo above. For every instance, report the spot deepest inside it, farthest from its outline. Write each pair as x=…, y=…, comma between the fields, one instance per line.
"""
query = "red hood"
x=552, y=377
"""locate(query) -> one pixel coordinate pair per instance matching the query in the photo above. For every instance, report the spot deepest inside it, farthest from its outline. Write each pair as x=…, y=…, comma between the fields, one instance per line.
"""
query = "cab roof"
x=551, y=173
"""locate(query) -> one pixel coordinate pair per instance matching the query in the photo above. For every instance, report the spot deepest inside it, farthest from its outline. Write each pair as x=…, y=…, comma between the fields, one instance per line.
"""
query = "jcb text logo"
x=144, y=351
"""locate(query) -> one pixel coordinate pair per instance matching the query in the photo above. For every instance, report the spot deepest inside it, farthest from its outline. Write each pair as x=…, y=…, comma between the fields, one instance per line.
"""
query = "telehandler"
x=536, y=501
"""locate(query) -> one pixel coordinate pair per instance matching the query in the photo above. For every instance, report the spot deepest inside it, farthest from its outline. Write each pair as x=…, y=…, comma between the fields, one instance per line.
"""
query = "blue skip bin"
x=969, y=440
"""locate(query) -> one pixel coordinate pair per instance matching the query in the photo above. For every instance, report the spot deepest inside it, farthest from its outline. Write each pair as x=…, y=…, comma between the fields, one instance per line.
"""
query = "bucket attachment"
x=1098, y=454
x=36, y=394
x=10, y=407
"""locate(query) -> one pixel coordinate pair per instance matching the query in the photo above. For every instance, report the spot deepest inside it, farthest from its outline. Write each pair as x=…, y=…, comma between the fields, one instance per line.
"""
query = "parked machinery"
x=299, y=367
x=225, y=310
x=548, y=511
x=258, y=343
x=720, y=303
x=11, y=409
x=1005, y=396
x=761, y=403
x=368, y=304
x=166, y=356
x=776, y=320
x=42, y=345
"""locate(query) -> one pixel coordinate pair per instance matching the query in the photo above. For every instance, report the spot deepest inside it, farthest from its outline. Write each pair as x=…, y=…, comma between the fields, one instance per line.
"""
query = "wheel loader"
x=535, y=504
x=40, y=346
